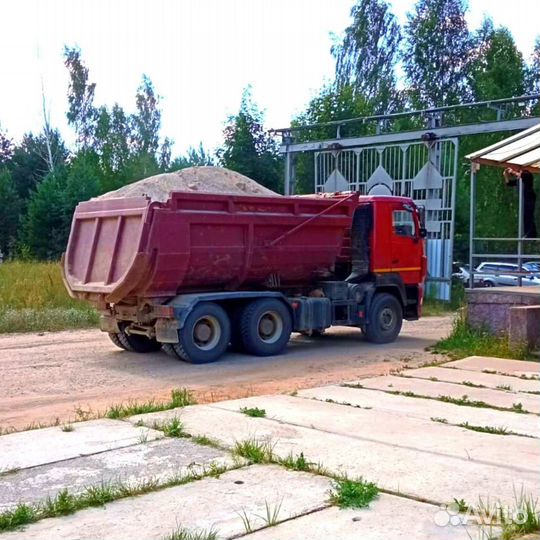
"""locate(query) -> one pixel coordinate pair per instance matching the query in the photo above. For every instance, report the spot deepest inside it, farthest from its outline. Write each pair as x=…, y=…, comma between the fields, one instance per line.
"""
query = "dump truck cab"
x=203, y=272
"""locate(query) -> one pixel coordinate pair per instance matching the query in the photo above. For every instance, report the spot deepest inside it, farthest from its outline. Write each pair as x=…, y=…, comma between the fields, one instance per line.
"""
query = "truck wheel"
x=116, y=340
x=265, y=327
x=385, y=319
x=136, y=343
x=204, y=336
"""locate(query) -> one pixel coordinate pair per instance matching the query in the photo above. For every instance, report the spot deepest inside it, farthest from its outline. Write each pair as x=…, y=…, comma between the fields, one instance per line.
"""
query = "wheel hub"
x=387, y=318
x=270, y=327
x=206, y=332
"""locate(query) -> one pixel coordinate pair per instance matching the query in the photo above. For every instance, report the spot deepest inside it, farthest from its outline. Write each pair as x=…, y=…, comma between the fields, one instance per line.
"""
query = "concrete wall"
x=511, y=311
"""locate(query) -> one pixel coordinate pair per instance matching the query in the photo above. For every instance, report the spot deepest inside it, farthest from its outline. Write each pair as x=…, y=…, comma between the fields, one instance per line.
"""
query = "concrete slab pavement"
x=458, y=376
x=500, y=365
x=157, y=460
x=497, y=398
x=415, y=473
x=526, y=424
x=48, y=445
x=388, y=428
x=211, y=503
x=386, y=518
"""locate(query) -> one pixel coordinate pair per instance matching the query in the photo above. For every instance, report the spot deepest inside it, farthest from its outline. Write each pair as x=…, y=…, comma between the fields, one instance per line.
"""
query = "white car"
x=495, y=274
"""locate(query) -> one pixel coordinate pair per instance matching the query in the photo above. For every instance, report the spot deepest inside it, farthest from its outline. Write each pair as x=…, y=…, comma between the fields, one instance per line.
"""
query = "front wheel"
x=205, y=335
x=385, y=319
x=265, y=327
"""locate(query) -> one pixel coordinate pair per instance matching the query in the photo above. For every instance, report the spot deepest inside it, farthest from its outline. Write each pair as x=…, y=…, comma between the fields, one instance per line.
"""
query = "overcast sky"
x=200, y=54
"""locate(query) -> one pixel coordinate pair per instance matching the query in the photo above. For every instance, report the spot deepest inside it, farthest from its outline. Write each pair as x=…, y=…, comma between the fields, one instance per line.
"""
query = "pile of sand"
x=192, y=179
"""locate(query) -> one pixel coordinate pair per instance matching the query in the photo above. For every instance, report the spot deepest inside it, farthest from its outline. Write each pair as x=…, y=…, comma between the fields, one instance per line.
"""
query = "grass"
x=262, y=451
x=464, y=400
x=67, y=428
x=347, y=493
x=522, y=519
x=296, y=463
x=472, y=385
x=529, y=521
x=486, y=429
x=254, y=412
x=182, y=533
x=65, y=502
x=465, y=340
x=347, y=403
x=180, y=397
x=433, y=307
x=203, y=440
x=461, y=505
x=33, y=299
x=254, y=450
x=481, y=429
x=172, y=428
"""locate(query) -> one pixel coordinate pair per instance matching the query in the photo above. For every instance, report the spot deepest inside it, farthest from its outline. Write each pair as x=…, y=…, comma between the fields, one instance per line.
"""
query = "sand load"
x=192, y=179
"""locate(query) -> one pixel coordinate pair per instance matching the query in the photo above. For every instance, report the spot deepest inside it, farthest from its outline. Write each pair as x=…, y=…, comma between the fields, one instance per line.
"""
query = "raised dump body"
x=122, y=248
x=205, y=271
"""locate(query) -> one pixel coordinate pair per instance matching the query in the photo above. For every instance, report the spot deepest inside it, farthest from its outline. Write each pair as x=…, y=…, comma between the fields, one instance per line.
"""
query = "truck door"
x=407, y=246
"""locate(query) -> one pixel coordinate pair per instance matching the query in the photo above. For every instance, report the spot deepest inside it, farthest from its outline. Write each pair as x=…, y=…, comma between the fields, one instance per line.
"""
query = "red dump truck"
x=205, y=271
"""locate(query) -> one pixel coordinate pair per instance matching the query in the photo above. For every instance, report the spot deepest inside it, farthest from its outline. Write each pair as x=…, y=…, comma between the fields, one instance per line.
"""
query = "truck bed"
x=124, y=248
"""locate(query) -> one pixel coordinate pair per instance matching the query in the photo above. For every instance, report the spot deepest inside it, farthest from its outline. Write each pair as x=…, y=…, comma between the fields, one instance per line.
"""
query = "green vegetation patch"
x=181, y=533
x=33, y=299
x=347, y=493
x=465, y=340
x=254, y=450
x=180, y=397
x=65, y=502
x=254, y=412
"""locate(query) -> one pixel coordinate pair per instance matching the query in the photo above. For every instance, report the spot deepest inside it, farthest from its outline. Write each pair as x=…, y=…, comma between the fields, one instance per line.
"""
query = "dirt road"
x=46, y=376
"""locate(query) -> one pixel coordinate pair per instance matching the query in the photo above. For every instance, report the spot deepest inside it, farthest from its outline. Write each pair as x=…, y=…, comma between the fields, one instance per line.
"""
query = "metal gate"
x=425, y=171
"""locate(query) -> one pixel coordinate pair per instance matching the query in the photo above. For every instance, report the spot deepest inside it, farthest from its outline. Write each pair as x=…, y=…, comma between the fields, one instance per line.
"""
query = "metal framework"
x=521, y=151
x=421, y=163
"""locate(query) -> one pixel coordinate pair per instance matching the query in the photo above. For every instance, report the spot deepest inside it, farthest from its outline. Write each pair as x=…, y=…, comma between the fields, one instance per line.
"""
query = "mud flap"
x=108, y=324
x=166, y=330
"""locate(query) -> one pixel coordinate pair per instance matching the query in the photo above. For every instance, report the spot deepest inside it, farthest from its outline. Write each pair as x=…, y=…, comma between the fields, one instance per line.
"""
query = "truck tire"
x=135, y=343
x=385, y=319
x=116, y=340
x=205, y=335
x=265, y=327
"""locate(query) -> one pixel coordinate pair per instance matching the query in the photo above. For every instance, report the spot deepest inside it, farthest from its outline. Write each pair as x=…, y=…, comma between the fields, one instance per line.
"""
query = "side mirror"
x=423, y=232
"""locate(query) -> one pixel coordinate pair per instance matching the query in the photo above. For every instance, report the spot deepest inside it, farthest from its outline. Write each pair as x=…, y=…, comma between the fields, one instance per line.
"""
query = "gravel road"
x=47, y=376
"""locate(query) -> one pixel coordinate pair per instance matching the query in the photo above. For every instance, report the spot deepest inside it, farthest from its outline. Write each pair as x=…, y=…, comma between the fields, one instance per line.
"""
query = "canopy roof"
x=521, y=150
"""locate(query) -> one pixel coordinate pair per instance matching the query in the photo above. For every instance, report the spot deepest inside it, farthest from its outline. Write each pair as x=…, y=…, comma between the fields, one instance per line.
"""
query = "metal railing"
x=434, y=117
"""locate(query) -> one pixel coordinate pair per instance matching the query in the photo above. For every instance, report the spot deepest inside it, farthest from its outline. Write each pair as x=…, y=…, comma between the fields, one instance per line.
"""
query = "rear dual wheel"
x=134, y=342
x=262, y=328
x=265, y=327
x=204, y=337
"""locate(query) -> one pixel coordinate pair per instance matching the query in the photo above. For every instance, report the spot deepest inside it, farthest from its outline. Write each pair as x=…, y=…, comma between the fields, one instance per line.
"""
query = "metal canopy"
x=521, y=150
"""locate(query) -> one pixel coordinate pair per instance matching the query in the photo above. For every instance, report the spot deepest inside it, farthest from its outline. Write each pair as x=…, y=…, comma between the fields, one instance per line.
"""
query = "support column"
x=287, y=178
x=520, y=231
x=472, y=222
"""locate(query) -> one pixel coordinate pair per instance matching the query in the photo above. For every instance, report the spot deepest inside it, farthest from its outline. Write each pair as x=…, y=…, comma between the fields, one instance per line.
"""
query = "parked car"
x=495, y=274
x=533, y=267
x=462, y=273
